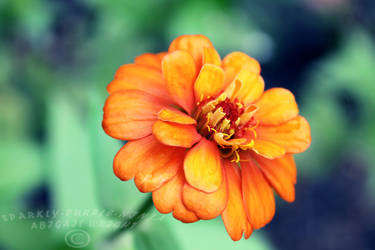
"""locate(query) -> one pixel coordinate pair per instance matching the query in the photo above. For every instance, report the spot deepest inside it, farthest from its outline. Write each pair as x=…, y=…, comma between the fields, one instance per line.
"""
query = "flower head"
x=204, y=137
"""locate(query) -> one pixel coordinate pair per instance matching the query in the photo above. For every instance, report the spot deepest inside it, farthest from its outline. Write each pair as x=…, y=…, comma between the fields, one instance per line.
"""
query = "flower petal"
x=160, y=166
x=294, y=135
x=127, y=161
x=193, y=44
x=234, y=216
x=176, y=116
x=276, y=106
x=210, y=56
x=139, y=77
x=259, y=201
x=250, y=89
x=174, y=134
x=248, y=230
x=233, y=62
x=209, y=83
x=277, y=174
x=268, y=149
x=205, y=205
x=161, y=55
x=202, y=166
x=179, y=72
x=129, y=114
x=149, y=60
x=290, y=167
x=168, y=198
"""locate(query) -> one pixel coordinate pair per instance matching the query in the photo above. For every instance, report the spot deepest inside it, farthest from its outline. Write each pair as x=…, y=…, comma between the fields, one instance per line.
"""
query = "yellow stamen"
x=225, y=124
x=221, y=97
x=247, y=146
x=231, y=132
x=209, y=106
x=216, y=117
x=214, y=130
x=237, y=122
x=227, y=136
x=237, y=155
x=254, y=132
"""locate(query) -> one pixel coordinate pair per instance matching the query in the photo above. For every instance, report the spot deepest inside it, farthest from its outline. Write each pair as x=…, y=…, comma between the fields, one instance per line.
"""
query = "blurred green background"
x=57, y=188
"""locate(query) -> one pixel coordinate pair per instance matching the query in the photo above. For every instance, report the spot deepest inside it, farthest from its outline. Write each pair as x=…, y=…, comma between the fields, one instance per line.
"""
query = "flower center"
x=218, y=116
x=228, y=122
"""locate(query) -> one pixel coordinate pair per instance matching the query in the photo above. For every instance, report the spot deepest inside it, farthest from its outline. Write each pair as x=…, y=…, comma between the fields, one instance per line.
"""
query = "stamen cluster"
x=228, y=122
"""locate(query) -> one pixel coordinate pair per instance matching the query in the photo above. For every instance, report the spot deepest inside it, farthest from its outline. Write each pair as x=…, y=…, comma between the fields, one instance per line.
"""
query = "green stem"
x=133, y=221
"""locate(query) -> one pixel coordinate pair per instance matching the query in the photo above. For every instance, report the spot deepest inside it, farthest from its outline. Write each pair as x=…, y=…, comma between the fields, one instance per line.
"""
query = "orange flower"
x=204, y=137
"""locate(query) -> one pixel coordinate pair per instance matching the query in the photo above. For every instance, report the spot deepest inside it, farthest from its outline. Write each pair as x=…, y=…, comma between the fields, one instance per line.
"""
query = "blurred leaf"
x=21, y=167
x=71, y=181
x=118, y=38
x=19, y=234
x=123, y=242
x=15, y=115
x=113, y=193
x=236, y=30
x=72, y=178
x=6, y=64
x=328, y=133
x=352, y=67
x=334, y=128
x=212, y=235
x=33, y=25
x=154, y=233
x=21, y=164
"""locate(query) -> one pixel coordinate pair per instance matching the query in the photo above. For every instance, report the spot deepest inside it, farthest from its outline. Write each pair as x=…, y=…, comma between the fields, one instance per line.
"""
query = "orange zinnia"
x=204, y=137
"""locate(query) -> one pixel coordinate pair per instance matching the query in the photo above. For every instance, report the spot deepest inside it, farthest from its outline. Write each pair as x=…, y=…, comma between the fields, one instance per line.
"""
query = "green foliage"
x=335, y=129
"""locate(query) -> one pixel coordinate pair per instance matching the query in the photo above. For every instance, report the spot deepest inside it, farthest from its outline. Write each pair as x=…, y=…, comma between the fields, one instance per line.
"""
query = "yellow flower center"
x=229, y=123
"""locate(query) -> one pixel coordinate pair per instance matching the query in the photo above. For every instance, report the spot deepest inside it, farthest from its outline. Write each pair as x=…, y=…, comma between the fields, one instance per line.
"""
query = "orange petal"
x=127, y=161
x=290, y=167
x=176, y=116
x=277, y=174
x=259, y=201
x=219, y=139
x=209, y=83
x=248, y=230
x=210, y=56
x=268, y=149
x=149, y=60
x=174, y=134
x=293, y=136
x=129, y=130
x=139, y=77
x=129, y=114
x=168, y=198
x=250, y=89
x=234, y=216
x=193, y=44
x=205, y=205
x=277, y=105
x=233, y=62
x=179, y=71
x=161, y=55
x=202, y=166
x=161, y=165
